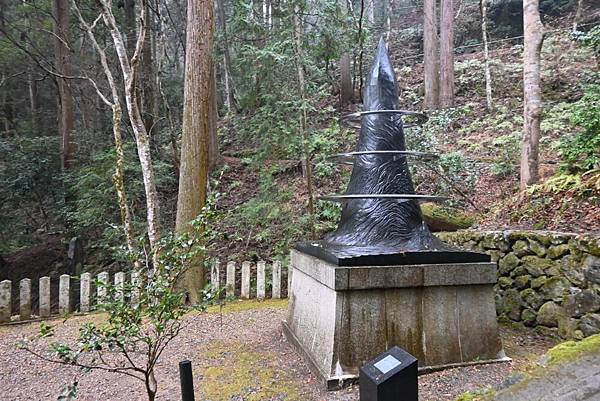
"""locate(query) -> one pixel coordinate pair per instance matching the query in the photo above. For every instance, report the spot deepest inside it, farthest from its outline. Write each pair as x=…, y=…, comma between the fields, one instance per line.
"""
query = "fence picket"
x=135, y=284
x=289, y=279
x=260, y=279
x=119, y=285
x=84, y=292
x=44, y=297
x=64, y=294
x=5, y=300
x=214, y=275
x=276, y=287
x=245, y=293
x=230, y=289
x=25, y=299
x=87, y=299
x=101, y=291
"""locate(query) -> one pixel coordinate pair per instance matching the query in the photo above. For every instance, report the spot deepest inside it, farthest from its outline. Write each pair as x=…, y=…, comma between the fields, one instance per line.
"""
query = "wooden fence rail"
x=266, y=276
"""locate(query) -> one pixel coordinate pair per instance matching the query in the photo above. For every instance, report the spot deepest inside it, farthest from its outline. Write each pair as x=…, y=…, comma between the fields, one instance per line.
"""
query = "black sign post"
x=187, y=381
x=392, y=376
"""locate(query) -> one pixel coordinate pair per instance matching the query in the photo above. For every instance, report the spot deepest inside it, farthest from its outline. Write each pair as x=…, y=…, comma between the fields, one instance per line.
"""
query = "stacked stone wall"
x=546, y=280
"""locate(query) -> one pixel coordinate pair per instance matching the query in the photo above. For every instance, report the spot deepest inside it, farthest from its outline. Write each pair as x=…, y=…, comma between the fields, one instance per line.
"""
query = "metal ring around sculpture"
x=424, y=155
x=422, y=118
x=396, y=197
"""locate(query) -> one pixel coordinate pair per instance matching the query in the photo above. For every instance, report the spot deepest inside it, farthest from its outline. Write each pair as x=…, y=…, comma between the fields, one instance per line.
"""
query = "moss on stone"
x=536, y=265
x=508, y=263
x=505, y=282
x=571, y=350
x=537, y=248
x=562, y=353
x=477, y=395
x=556, y=251
x=538, y=282
x=521, y=248
x=522, y=282
x=440, y=218
x=238, y=373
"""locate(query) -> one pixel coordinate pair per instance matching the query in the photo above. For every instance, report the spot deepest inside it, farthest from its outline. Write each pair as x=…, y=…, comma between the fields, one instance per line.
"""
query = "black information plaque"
x=392, y=376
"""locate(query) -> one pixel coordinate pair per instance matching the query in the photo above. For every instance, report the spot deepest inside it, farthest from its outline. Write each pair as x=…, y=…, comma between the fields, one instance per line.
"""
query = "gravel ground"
x=238, y=355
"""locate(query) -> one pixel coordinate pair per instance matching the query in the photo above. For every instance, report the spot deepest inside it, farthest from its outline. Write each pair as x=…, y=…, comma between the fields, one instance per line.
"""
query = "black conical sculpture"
x=381, y=220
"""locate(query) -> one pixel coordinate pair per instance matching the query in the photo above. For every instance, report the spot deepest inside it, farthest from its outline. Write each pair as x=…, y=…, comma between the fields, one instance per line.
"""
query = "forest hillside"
x=284, y=77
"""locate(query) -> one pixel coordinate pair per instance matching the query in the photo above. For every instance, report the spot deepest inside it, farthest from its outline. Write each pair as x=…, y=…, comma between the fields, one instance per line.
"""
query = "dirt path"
x=239, y=355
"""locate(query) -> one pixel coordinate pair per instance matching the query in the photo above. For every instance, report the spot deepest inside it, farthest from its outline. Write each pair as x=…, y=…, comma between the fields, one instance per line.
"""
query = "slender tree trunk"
x=447, y=53
x=577, y=15
x=371, y=12
x=148, y=80
x=298, y=33
x=129, y=69
x=34, y=104
x=430, y=58
x=483, y=4
x=388, y=20
x=65, y=95
x=213, y=153
x=160, y=56
x=6, y=102
x=4, y=92
x=119, y=176
x=130, y=24
x=117, y=114
x=361, y=45
x=230, y=100
x=346, y=92
x=532, y=102
x=198, y=105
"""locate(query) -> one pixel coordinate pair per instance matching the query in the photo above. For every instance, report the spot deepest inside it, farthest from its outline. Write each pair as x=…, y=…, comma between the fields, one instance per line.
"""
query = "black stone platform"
x=342, y=255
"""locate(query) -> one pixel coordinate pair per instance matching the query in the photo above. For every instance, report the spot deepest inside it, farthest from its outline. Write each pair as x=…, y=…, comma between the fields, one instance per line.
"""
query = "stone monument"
x=382, y=279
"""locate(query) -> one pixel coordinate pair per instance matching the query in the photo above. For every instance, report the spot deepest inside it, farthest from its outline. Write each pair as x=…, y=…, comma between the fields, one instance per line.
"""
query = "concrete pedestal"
x=341, y=317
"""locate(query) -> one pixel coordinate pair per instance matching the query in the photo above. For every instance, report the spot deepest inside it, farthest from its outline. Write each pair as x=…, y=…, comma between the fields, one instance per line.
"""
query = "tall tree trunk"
x=447, y=53
x=65, y=95
x=346, y=92
x=198, y=104
x=532, y=102
x=430, y=57
x=483, y=4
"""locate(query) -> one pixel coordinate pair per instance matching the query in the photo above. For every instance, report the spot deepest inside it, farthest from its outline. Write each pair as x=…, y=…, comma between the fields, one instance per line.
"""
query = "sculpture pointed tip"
x=382, y=76
x=382, y=46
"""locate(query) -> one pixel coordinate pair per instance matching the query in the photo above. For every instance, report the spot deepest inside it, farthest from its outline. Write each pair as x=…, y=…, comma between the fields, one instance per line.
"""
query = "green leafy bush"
x=507, y=151
x=31, y=182
x=94, y=209
x=582, y=151
x=142, y=317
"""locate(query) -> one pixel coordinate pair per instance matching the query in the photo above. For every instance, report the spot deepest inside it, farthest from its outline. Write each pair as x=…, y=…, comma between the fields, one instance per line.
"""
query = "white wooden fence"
x=87, y=300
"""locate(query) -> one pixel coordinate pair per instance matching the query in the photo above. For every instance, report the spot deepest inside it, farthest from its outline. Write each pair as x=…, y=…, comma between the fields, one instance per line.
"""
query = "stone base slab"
x=341, y=317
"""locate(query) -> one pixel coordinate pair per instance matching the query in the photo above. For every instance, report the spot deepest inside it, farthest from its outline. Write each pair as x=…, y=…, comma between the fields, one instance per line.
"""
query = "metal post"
x=187, y=381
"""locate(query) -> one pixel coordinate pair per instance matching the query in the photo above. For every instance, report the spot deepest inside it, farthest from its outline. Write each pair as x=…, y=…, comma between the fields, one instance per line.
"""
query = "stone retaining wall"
x=546, y=279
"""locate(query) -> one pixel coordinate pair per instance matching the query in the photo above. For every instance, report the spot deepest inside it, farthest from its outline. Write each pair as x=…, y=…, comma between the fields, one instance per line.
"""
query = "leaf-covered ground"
x=237, y=354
